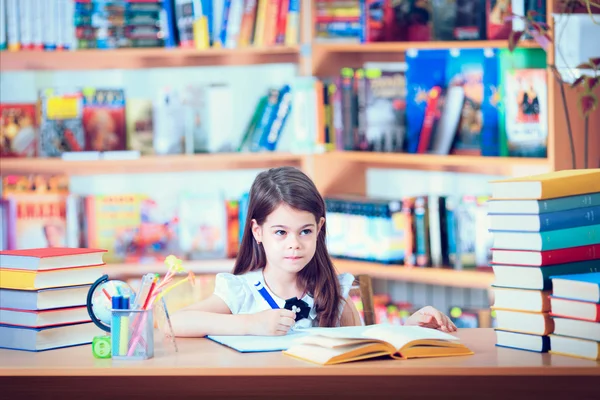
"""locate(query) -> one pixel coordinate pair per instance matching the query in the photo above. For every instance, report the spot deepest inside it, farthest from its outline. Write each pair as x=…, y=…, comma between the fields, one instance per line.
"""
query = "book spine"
x=572, y=254
x=568, y=203
x=572, y=237
x=570, y=218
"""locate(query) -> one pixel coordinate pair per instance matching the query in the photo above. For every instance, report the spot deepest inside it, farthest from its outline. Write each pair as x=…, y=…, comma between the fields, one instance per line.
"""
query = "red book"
x=50, y=258
x=548, y=257
x=575, y=309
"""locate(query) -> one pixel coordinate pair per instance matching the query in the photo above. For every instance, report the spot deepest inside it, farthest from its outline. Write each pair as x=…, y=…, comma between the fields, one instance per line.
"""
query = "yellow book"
x=35, y=280
x=548, y=186
x=259, y=29
x=575, y=347
x=327, y=346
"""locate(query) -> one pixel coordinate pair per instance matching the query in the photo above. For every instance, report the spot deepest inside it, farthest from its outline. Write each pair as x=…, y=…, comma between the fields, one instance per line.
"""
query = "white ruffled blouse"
x=242, y=297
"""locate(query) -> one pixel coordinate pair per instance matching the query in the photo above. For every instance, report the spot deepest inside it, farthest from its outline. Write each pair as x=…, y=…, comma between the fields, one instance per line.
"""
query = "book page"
x=400, y=336
x=397, y=336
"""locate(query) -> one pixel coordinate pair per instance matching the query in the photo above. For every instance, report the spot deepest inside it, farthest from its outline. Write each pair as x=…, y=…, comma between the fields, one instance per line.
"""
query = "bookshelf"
x=329, y=58
x=432, y=276
x=137, y=58
x=150, y=164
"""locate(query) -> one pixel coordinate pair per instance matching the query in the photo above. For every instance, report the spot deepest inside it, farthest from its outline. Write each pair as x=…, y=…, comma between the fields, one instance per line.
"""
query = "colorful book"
x=547, y=240
x=44, y=299
x=548, y=257
x=35, y=280
x=543, y=206
x=522, y=341
x=46, y=318
x=545, y=222
x=575, y=309
x=50, y=258
x=584, y=287
x=526, y=277
x=49, y=338
x=548, y=186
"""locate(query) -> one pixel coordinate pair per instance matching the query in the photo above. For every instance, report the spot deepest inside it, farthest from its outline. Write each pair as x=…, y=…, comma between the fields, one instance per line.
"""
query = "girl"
x=282, y=256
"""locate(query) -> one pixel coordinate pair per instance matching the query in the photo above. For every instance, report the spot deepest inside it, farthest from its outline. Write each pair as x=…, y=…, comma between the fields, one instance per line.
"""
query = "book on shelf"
x=328, y=346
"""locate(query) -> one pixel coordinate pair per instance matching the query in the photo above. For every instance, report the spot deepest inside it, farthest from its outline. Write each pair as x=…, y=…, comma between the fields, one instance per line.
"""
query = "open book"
x=338, y=345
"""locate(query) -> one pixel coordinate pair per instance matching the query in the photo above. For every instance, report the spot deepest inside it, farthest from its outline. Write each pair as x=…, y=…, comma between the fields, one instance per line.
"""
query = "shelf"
x=377, y=47
x=144, y=58
x=149, y=164
x=209, y=267
x=431, y=276
x=511, y=166
x=329, y=58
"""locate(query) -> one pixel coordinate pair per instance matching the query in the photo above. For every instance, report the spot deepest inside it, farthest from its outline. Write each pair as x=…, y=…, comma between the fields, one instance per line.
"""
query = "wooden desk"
x=205, y=368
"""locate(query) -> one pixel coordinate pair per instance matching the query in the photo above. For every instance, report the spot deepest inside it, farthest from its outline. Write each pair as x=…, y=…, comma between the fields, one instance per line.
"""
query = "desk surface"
x=202, y=357
x=204, y=369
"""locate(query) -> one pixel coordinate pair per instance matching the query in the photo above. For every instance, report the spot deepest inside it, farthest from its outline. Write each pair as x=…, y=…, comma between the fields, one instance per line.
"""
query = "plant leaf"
x=542, y=40
x=585, y=65
x=592, y=82
x=532, y=13
x=536, y=27
x=588, y=102
x=513, y=39
x=595, y=62
x=578, y=81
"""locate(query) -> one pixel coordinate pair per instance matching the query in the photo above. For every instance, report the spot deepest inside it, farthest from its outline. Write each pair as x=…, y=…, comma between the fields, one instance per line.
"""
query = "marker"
x=115, y=326
x=124, y=333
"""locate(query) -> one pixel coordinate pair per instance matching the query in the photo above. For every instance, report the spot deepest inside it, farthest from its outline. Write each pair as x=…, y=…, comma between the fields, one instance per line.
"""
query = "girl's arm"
x=208, y=317
x=350, y=316
x=213, y=317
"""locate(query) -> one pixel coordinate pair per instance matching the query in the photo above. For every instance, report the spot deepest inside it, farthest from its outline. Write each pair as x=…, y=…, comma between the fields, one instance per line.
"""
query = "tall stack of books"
x=43, y=296
x=575, y=310
x=542, y=226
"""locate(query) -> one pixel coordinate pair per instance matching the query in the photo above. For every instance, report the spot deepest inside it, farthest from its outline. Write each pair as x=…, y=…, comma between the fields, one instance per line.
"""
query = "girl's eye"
x=306, y=232
x=280, y=232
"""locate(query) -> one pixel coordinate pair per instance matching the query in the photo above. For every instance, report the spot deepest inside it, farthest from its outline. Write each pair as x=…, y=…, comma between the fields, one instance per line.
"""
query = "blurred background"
x=138, y=127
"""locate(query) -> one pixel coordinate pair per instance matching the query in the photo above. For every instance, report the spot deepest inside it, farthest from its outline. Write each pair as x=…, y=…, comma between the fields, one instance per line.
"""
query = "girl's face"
x=289, y=237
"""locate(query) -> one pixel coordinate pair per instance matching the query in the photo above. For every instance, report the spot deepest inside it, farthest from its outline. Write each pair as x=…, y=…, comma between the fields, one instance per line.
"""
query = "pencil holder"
x=132, y=334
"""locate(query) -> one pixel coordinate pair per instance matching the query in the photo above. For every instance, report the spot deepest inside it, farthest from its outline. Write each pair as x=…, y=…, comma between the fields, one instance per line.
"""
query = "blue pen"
x=265, y=294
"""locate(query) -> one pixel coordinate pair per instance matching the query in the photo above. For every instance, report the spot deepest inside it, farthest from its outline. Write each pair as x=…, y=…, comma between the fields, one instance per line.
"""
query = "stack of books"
x=575, y=309
x=542, y=226
x=43, y=295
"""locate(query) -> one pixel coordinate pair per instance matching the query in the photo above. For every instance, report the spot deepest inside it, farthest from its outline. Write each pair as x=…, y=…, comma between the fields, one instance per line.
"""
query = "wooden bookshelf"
x=404, y=46
x=150, y=164
x=230, y=161
x=144, y=58
x=431, y=276
x=329, y=58
x=454, y=163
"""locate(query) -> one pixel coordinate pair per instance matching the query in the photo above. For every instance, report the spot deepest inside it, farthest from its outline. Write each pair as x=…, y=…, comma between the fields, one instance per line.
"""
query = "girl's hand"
x=271, y=322
x=429, y=317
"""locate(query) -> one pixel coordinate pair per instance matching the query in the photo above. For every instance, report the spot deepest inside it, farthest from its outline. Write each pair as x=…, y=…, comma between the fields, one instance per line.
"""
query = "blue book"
x=543, y=206
x=522, y=341
x=545, y=222
x=47, y=338
x=581, y=287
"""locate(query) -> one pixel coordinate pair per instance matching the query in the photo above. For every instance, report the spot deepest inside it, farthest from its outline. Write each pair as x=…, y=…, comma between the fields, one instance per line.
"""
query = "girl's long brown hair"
x=291, y=186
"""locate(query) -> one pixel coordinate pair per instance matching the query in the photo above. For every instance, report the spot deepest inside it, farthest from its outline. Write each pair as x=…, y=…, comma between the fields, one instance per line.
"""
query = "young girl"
x=282, y=256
